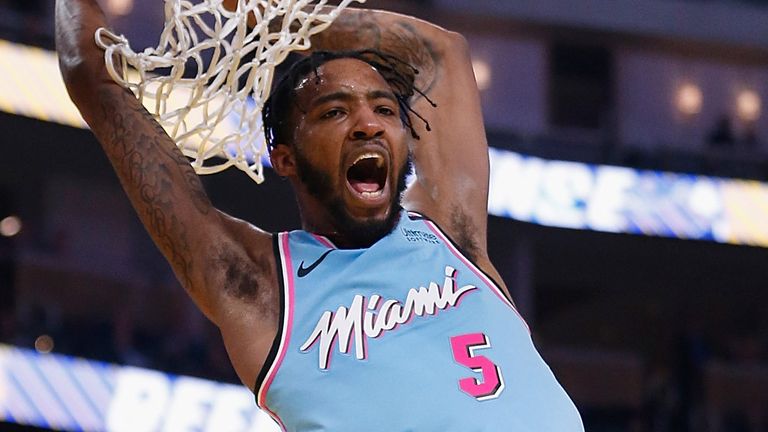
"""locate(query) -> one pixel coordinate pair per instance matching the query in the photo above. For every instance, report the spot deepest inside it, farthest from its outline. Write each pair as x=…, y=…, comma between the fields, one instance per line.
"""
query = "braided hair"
x=399, y=74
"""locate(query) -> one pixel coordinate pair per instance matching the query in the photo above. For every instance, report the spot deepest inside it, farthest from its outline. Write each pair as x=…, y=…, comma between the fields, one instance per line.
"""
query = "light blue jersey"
x=407, y=335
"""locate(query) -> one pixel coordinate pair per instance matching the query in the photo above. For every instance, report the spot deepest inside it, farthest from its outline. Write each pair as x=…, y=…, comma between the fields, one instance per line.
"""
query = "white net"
x=211, y=73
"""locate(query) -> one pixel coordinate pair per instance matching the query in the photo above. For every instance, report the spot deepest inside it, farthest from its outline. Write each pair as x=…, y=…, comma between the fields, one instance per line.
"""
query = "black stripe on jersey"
x=412, y=215
x=418, y=216
x=278, y=337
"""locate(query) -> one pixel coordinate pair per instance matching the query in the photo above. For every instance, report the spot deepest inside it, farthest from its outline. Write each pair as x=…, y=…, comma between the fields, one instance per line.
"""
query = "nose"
x=367, y=126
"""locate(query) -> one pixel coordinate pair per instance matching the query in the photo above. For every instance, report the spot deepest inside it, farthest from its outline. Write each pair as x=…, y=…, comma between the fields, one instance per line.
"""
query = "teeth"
x=372, y=194
x=379, y=159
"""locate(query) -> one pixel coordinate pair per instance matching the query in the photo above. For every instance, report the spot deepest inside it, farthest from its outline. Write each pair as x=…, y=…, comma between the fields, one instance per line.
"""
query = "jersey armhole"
x=283, y=338
x=418, y=216
x=494, y=285
x=269, y=361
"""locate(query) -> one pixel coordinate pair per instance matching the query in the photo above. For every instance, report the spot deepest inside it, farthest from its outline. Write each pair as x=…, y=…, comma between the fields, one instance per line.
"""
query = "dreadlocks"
x=398, y=74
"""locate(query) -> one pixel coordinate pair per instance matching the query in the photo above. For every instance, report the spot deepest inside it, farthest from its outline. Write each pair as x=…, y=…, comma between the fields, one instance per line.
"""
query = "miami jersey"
x=407, y=335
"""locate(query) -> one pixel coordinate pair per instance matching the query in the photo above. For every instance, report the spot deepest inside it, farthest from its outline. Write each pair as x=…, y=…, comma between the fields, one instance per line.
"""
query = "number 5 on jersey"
x=491, y=384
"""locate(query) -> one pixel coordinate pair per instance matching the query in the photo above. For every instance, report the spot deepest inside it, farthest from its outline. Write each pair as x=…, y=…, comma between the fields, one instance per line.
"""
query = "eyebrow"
x=345, y=96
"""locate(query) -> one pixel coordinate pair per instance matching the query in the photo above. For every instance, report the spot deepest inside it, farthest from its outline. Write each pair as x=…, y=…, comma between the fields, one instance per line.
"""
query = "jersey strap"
x=283, y=337
x=451, y=245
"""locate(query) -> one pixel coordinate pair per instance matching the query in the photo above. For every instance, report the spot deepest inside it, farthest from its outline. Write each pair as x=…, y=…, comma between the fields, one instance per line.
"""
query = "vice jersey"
x=407, y=335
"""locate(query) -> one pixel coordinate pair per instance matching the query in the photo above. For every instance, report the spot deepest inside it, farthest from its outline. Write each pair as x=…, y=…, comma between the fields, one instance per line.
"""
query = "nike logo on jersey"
x=303, y=271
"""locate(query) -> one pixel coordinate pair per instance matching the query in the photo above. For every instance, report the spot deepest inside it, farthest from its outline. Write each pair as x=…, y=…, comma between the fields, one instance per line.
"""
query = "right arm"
x=225, y=265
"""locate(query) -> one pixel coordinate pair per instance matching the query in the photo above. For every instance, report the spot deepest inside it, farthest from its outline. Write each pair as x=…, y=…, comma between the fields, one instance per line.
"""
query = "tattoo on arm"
x=405, y=41
x=154, y=174
x=356, y=29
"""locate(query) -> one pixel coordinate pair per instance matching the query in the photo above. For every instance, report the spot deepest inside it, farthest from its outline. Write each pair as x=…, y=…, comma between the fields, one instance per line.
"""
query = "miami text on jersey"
x=375, y=319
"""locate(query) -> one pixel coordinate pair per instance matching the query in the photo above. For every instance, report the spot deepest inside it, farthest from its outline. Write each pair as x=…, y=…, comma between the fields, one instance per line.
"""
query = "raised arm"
x=204, y=247
x=452, y=159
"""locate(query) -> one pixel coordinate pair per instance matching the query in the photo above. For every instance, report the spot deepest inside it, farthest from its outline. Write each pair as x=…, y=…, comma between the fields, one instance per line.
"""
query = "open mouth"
x=368, y=175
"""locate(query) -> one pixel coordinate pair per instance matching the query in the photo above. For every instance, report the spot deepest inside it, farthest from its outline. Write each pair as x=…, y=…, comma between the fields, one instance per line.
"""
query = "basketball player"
x=384, y=313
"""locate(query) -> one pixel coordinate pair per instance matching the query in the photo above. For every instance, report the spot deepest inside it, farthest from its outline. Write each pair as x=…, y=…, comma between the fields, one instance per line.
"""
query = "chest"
x=407, y=335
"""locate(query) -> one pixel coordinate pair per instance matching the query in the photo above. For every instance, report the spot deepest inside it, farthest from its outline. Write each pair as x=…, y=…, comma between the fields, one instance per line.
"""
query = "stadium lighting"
x=748, y=105
x=44, y=344
x=119, y=7
x=483, y=73
x=689, y=99
x=10, y=226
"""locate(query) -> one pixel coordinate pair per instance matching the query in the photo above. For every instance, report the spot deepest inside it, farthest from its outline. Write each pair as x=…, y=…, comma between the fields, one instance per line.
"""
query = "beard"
x=359, y=232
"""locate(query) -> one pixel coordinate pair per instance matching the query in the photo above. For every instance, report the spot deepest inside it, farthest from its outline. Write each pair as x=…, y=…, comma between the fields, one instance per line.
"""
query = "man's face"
x=351, y=147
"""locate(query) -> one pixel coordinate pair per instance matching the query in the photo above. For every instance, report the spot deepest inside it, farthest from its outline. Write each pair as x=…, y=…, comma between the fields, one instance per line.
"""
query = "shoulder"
x=457, y=228
x=462, y=235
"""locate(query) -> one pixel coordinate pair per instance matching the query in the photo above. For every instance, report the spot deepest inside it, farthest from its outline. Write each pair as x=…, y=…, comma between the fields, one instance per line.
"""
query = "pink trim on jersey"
x=288, y=284
x=495, y=289
x=324, y=240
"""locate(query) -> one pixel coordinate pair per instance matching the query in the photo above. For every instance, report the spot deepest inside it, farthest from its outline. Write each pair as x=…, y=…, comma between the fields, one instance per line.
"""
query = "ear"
x=283, y=160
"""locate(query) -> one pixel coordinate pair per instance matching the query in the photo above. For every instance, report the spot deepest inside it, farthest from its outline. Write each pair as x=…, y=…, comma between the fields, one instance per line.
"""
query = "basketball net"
x=197, y=81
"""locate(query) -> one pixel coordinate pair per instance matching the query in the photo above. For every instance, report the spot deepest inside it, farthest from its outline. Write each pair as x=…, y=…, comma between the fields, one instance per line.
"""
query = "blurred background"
x=629, y=217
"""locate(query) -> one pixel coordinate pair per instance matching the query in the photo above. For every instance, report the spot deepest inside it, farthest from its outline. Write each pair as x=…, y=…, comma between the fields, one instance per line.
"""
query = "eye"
x=385, y=110
x=332, y=113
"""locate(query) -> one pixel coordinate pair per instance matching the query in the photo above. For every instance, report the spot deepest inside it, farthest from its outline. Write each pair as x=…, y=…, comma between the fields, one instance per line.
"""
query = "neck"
x=317, y=220
x=346, y=234
x=330, y=219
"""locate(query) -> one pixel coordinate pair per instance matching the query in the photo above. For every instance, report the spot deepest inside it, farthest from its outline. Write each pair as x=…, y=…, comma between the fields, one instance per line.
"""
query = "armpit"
x=248, y=280
x=465, y=233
